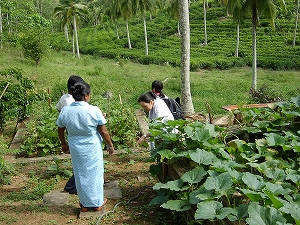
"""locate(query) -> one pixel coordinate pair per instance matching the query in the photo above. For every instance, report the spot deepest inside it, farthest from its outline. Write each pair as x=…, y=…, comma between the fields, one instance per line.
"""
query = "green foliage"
x=34, y=190
x=251, y=173
x=41, y=135
x=273, y=46
x=6, y=169
x=121, y=122
x=60, y=169
x=18, y=97
x=34, y=40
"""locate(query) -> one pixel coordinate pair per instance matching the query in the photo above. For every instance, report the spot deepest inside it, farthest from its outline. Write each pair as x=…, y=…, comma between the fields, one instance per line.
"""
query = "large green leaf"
x=166, y=154
x=207, y=210
x=253, y=195
x=228, y=212
x=274, y=139
x=177, y=205
x=161, y=198
x=254, y=182
x=203, y=157
x=200, y=132
x=293, y=209
x=200, y=194
x=296, y=101
x=176, y=185
x=220, y=183
x=259, y=215
x=276, y=202
x=194, y=176
x=277, y=189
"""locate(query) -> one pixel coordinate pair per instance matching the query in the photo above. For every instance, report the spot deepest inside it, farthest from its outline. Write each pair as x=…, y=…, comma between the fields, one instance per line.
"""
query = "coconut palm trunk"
x=73, y=44
x=204, y=15
x=66, y=32
x=296, y=26
x=187, y=104
x=117, y=31
x=254, y=63
x=1, y=29
x=146, y=38
x=76, y=36
x=128, y=35
x=8, y=23
x=237, y=40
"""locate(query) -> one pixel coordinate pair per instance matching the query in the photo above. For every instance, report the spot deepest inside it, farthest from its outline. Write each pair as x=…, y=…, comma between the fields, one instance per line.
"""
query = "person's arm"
x=61, y=136
x=105, y=135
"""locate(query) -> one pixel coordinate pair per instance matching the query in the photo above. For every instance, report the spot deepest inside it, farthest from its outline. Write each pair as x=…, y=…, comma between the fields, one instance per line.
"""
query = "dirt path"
x=131, y=170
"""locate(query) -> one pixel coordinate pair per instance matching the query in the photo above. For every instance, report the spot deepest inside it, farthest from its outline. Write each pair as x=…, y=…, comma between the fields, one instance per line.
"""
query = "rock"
x=112, y=190
x=108, y=95
x=56, y=198
x=19, y=136
x=142, y=178
x=92, y=213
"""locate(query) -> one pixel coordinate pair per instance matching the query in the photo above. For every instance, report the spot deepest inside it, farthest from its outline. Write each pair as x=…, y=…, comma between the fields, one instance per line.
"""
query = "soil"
x=131, y=170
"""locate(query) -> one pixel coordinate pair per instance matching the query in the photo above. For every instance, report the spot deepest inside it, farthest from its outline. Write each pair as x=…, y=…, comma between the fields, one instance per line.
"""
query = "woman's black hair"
x=79, y=90
x=158, y=86
x=73, y=79
x=147, y=97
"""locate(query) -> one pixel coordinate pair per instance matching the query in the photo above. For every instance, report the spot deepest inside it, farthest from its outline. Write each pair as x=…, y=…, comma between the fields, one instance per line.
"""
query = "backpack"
x=174, y=107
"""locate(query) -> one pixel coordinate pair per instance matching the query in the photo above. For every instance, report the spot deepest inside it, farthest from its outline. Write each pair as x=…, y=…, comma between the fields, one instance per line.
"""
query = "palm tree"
x=126, y=12
x=296, y=26
x=266, y=8
x=143, y=6
x=186, y=96
x=235, y=9
x=71, y=11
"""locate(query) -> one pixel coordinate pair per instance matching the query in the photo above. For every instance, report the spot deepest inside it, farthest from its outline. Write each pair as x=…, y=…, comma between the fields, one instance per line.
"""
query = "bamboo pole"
x=4, y=90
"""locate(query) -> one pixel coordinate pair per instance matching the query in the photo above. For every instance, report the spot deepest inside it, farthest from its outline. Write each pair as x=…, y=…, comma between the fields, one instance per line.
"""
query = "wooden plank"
x=235, y=107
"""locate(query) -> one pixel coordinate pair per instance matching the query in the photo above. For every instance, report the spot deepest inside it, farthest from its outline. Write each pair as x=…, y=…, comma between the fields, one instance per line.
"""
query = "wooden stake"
x=120, y=99
x=4, y=90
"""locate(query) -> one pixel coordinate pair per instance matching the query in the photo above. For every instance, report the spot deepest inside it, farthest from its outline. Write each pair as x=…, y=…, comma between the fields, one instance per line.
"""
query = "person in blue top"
x=85, y=123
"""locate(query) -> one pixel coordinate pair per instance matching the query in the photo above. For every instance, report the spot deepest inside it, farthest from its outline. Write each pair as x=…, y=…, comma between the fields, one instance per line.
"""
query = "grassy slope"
x=273, y=46
x=129, y=79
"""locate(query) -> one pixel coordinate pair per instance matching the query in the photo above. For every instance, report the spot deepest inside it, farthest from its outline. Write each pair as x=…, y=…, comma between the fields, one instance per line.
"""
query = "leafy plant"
x=17, y=97
x=250, y=174
x=6, y=170
x=34, y=190
x=60, y=169
x=34, y=39
x=41, y=138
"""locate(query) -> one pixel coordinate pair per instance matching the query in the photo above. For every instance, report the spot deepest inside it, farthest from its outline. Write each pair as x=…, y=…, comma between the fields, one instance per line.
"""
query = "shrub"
x=34, y=40
x=16, y=100
x=41, y=138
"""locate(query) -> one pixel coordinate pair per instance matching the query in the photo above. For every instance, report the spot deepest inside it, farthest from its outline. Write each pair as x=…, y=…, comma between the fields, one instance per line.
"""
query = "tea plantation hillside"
x=274, y=49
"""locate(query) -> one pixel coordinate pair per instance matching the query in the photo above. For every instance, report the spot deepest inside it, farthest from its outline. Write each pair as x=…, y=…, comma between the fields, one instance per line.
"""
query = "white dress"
x=81, y=121
x=64, y=100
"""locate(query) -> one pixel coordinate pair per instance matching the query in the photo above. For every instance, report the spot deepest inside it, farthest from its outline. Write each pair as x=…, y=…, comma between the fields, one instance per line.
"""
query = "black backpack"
x=174, y=107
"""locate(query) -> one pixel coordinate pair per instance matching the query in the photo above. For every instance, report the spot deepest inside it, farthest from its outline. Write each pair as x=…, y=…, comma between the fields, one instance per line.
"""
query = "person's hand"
x=142, y=139
x=111, y=150
x=65, y=148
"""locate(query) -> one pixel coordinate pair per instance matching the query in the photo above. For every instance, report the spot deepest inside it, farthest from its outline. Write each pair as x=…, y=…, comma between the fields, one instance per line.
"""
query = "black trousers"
x=70, y=186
